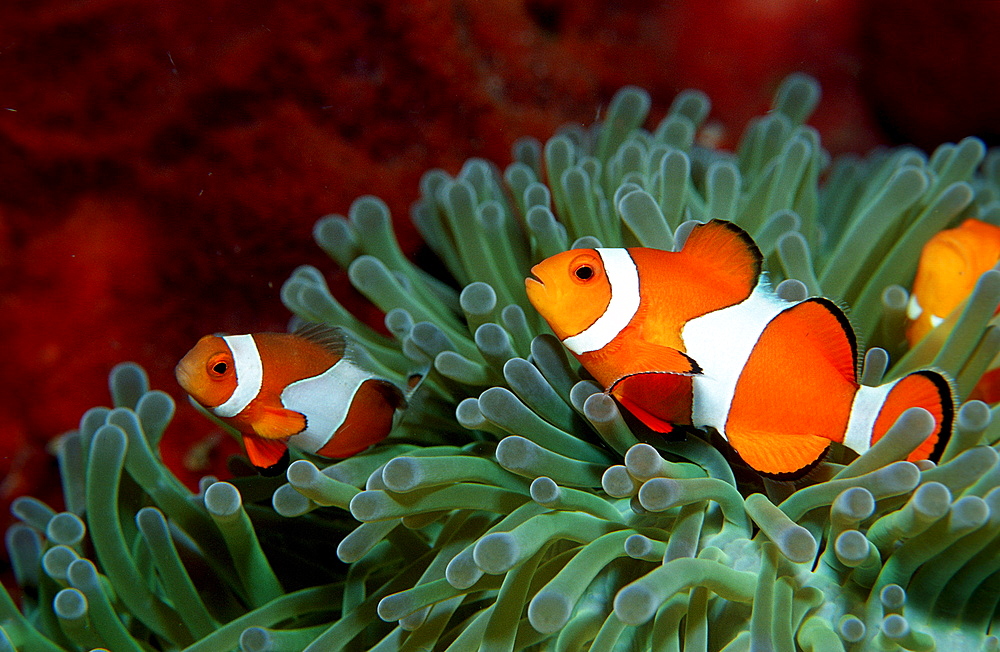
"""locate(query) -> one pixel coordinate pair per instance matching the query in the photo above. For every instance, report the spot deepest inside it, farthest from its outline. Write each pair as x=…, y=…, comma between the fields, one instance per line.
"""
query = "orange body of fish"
x=298, y=389
x=950, y=264
x=698, y=337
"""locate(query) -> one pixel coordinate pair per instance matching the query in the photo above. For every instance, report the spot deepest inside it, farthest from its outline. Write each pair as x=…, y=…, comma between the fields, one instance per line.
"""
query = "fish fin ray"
x=279, y=423
x=330, y=338
x=647, y=358
x=661, y=401
x=779, y=454
x=728, y=249
x=830, y=326
x=648, y=419
x=264, y=453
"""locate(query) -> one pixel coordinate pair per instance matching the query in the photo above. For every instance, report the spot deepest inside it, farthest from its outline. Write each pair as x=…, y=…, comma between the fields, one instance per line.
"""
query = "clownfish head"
x=950, y=265
x=570, y=290
x=208, y=372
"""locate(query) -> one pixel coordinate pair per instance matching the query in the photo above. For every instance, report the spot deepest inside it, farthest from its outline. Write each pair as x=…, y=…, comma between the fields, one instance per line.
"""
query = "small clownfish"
x=950, y=264
x=698, y=337
x=300, y=389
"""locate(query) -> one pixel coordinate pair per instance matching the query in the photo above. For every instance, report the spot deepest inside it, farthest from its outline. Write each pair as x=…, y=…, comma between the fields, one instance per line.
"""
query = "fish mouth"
x=534, y=286
x=534, y=277
x=538, y=293
x=183, y=376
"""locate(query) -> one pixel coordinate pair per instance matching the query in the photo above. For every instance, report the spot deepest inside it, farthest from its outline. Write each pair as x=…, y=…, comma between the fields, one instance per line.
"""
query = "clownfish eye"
x=584, y=272
x=219, y=368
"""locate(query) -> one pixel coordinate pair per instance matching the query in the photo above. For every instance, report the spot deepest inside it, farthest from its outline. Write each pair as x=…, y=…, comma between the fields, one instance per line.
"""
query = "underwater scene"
x=602, y=359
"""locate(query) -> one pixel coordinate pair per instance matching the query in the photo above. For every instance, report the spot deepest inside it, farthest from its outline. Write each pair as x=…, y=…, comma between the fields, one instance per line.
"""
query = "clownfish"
x=950, y=264
x=300, y=389
x=698, y=337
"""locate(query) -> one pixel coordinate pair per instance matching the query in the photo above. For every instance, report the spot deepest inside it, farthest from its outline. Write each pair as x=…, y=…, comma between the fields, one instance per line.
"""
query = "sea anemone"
x=515, y=506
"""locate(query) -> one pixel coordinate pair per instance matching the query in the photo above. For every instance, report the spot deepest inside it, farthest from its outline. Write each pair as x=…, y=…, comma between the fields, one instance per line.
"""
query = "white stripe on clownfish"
x=913, y=309
x=623, y=277
x=738, y=326
x=326, y=399
x=249, y=375
x=865, y=411
x=913, y=312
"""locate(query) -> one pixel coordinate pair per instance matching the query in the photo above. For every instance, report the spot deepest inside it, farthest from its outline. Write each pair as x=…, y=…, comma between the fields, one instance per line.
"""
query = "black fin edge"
x=733, y=458
x=798, y=474
x=947, y=409
x=747, y=240
x=845, y=325
x=696, y=370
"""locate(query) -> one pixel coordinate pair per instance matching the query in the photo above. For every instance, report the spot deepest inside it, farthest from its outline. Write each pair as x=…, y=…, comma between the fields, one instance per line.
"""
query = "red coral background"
x=162, y=164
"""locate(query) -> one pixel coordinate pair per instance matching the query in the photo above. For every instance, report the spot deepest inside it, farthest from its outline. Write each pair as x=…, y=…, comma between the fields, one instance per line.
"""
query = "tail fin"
x=929, y=390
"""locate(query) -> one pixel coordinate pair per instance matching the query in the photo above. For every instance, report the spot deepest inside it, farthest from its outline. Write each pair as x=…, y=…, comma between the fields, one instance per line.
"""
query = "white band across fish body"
x=913, y=312
x=249, y=375
x=326, y=398
x=722, y=365
x=623, y=277
x=865, y=411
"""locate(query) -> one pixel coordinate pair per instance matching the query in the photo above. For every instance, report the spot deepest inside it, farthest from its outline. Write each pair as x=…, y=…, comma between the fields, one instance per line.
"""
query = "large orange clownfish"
x=698, y=337
x=300, y=389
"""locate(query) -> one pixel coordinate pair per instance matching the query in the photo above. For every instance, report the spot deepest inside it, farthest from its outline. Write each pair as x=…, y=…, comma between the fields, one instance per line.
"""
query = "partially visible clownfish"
x=698, y=337
x=950, y=264
x=300, y=389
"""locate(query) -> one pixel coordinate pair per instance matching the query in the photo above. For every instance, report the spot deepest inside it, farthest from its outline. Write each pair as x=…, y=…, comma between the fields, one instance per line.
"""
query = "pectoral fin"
x=279, y=423
x=647, y=418
x=660, y=401
x=647, y=358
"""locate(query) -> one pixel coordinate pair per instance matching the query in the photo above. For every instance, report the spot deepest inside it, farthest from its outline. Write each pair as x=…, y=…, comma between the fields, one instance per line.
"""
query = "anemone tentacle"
x=515, y=506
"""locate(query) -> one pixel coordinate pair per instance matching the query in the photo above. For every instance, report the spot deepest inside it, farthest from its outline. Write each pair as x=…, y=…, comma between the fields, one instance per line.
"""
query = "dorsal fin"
x=727, y=248
x=330, y=338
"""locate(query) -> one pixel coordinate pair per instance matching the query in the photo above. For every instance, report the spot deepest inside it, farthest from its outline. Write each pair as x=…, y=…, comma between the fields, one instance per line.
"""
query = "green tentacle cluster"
x=515, y=507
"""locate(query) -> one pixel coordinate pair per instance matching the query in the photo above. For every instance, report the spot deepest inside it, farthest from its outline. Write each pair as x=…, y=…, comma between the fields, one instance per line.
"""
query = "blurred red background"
x=162, y=164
